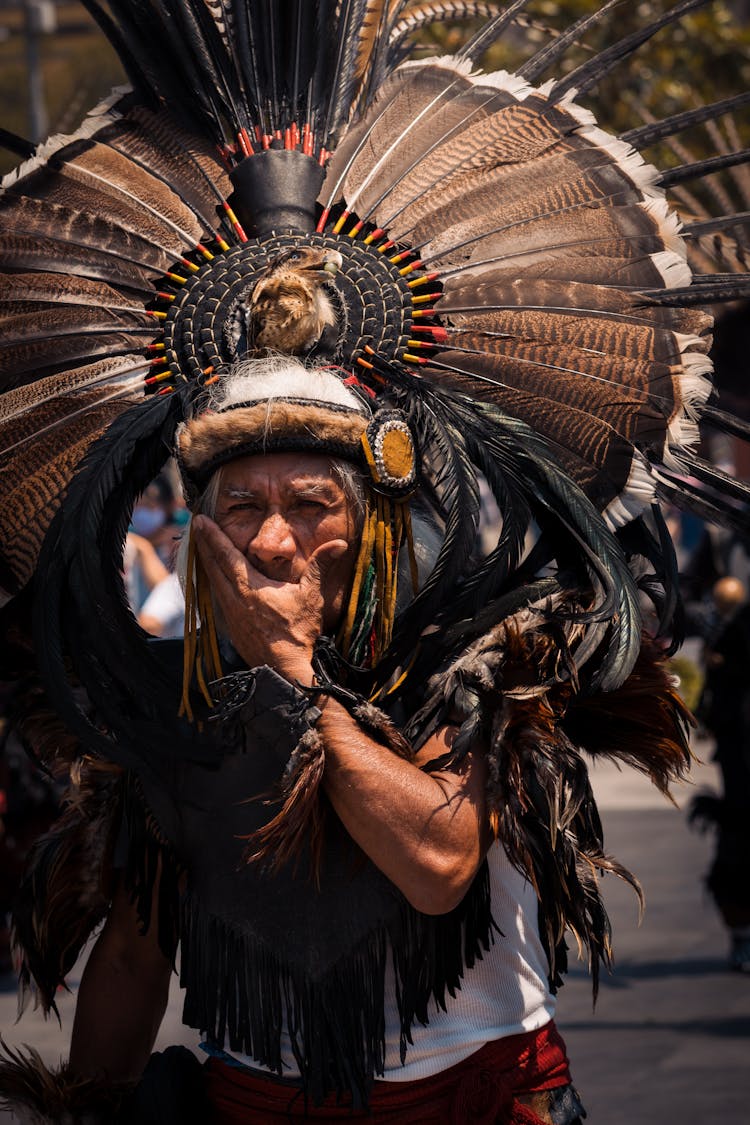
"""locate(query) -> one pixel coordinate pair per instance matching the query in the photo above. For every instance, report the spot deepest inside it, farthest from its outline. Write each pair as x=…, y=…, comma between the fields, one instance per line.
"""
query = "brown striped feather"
x=36, y=343
x=30, y=292
x=88, y=220
x=29, y=395
x=36, y=477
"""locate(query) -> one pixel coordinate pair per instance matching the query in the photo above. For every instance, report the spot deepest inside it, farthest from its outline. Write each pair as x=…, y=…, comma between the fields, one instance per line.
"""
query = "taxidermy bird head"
x=291, y=306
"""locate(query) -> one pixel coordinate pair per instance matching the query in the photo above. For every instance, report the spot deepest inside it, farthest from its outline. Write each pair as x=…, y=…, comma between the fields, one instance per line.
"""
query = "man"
x=725, y=709
x=368, y=697
x=279, y=555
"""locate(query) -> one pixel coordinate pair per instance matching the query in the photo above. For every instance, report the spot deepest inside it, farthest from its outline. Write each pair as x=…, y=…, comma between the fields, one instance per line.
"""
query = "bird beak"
x=332, y=262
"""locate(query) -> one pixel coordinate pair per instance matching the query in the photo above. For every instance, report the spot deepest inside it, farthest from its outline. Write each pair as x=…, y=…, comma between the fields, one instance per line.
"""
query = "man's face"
x=278, y=508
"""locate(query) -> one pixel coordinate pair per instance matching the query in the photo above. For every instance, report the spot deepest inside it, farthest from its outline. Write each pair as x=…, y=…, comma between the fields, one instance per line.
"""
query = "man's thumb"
x=324, y=557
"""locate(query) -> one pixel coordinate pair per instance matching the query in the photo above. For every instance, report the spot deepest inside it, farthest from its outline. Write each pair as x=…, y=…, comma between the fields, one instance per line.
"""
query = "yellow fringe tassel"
x=201, y=649
x=363, y=561
x=386, y=525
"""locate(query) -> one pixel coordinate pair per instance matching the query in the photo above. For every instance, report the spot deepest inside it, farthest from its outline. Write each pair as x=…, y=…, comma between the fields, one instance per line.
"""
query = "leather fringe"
x=241, y=990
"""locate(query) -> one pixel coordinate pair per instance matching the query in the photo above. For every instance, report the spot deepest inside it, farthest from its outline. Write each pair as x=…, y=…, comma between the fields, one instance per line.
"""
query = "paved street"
x=669, y=1039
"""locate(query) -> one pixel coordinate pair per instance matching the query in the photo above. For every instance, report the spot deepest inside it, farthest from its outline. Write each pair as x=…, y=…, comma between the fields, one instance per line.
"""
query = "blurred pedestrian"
x=724, y=709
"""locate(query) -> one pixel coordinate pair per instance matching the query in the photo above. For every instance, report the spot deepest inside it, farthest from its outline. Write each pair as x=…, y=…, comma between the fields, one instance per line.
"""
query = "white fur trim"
x=257, y=380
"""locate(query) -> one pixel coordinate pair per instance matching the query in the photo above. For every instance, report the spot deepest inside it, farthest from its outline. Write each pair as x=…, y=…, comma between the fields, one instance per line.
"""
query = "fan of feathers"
x=550, y=339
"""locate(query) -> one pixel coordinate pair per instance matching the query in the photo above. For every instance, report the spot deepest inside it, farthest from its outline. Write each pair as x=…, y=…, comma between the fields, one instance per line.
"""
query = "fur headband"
x=273, y=426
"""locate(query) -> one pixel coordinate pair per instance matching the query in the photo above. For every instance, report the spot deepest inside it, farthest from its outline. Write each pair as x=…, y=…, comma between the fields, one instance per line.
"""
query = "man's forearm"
x=122, y=997
x=118, y=1014
x=426, y=832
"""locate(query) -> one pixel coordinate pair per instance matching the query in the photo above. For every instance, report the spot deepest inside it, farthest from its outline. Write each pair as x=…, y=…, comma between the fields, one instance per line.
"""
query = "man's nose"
x=273, y=539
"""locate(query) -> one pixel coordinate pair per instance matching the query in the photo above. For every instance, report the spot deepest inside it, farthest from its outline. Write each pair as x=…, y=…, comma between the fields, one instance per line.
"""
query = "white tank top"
x=503, y=994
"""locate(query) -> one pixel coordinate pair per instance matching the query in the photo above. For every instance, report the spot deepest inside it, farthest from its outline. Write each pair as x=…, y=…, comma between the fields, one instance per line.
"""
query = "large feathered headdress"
x=472, y=248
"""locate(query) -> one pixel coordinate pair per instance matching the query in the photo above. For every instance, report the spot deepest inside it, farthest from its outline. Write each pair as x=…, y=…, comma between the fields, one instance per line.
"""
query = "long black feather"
x=648, y=536
x=700, y=168
x=707, y=289
x=81, y=611
x=726, y=422
x=645, y=135
x=539, y=62
x=711, y=505
x=350, y=17
x=15, y=144
x=491, y=31
x=720, y=223
x=593, y=70
x=127, y=50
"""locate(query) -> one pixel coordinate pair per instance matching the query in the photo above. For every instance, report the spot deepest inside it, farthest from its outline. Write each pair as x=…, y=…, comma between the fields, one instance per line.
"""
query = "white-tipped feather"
x=694, y=389
x=668, y=222
x=644, y=176
x=674, y=270
x=508, y=83
x=93, y=122
x=637, y=495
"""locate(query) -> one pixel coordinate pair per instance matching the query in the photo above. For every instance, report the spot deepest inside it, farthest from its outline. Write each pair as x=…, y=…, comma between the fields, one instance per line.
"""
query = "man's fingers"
x=220, y=557
x=216, y=550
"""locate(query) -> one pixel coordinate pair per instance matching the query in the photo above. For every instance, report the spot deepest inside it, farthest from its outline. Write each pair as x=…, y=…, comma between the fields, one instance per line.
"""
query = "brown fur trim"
x=266, y=425
x=38, y=1096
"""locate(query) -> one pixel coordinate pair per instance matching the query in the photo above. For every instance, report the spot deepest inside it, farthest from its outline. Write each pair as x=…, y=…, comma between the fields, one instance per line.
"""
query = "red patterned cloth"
x=481, y=1090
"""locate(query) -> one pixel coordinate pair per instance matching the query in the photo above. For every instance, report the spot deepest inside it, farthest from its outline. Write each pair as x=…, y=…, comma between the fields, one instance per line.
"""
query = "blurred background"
x=670, y=1035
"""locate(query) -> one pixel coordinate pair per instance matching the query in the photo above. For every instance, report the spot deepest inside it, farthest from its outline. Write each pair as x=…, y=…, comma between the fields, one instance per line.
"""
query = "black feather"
x=539, y=62
x=700, y=168
x=726, y=422
x=491, y=31
x=81, y=612
x=15, y=144
x=720, y=223
x=707, y=289
x=645, y=135
x=593, y=70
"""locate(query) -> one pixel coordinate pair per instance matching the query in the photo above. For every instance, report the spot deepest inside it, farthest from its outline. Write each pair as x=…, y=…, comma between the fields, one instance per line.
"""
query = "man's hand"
x=268, y=622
